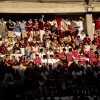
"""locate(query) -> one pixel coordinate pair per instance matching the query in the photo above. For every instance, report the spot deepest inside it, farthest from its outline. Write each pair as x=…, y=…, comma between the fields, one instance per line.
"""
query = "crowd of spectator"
x=57, y=57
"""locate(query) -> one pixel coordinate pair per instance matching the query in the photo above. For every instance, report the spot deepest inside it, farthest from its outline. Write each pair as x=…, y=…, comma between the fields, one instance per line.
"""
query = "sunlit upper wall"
x=43, y=0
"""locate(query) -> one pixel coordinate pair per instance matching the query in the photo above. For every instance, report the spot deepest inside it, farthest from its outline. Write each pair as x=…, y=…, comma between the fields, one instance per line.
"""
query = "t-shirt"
x=97, y=23
x=10, y=26
x=92, y=60
x=37, y=60
x=2, y=27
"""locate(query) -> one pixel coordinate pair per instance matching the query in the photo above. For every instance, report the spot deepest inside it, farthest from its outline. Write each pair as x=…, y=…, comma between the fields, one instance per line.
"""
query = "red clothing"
x=98, y=61
x=97, y=23
x=83, y=60
x=87, y=39
x=69, y=28
x=31, y=43
x=3, y=49
x=22, y=60
x=35, y=26
x=61, y=34
x=7, y=62
x=69, y=57
x=29, y=26
x=95, y=35
x=22, y=44
x=75, y=53
x=97, y=41
x=92, y=60
x=61, y=54
x=37, y=60
x=91, y=53
x=41, y=26
x=86, y=52
x=47, y=25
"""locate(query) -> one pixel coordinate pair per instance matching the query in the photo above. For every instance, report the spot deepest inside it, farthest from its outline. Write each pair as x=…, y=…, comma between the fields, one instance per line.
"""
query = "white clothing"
x=87, y=47
x=22, y=51
x=42, y=32
x=44, y=61
x=17, y=33
x=80, y=24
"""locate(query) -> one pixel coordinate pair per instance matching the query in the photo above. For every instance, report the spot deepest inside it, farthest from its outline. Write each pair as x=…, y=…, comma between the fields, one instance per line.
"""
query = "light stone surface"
x=7, y=6
x=89, y=25
x=35, y=7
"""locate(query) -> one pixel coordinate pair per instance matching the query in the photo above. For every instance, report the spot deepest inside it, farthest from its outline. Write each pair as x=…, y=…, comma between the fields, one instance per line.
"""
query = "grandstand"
x=49, y=49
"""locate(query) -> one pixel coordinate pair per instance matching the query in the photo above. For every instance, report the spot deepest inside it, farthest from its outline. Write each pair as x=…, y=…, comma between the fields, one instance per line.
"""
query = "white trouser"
x=41, y=35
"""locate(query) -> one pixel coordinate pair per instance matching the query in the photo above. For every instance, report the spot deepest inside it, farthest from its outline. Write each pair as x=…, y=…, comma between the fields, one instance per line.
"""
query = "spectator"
x=10, y=27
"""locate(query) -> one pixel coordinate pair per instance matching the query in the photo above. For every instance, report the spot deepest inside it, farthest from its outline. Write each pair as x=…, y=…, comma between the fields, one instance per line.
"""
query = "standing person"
x=97, y=23
x=23, y=29
x=3, y=28
x=29, y=28
x=37, y=60
x=36, y=34
x=41, y=26
x=82, y=35
x=17, y=30
x=47, y=25
x=80, y=24
x=74, y=27
x=10, y=28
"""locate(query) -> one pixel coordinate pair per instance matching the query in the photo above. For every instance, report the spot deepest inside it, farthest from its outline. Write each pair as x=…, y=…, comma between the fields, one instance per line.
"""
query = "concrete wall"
x=31, y=7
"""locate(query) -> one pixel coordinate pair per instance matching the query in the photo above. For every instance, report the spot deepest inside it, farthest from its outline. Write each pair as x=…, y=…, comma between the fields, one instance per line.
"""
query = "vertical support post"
x=89, y=25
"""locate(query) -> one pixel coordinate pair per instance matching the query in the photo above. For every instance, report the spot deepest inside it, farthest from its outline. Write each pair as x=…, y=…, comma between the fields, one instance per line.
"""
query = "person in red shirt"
x=14, y=61
x=91, y=52
x=22, y=59
x=70, y=56
x=3, y=49
x=29, y=27
x=93, y=59
x=97, y=40
x=37, y=60
x=22, y=43
x=35, y=25
x=7, y=61
x=47, y=25
x=87, y=39
x=82, y=59
x=97, y=23
x=42, y=28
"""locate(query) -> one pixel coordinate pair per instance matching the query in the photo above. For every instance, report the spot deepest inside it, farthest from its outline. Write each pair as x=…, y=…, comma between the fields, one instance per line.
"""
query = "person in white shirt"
x=80, y=24
x=87, y=47
x=44, y=59
x=82, y=35
x=51, y=60
x=41, y=53
x=50, y=52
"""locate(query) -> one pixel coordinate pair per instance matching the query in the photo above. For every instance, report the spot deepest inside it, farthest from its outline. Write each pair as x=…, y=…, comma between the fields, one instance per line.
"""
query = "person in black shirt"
x=16, y=48
x=10, y=27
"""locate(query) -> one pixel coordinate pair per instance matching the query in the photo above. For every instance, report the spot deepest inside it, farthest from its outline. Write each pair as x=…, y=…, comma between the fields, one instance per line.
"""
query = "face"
x=17, y=44
x=13, y=57
x=9, y=20
x=82, y=32
x=2, y=20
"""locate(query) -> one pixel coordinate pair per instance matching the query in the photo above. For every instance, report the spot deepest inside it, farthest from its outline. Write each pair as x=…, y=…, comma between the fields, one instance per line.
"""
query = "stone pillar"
x=89, y=25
